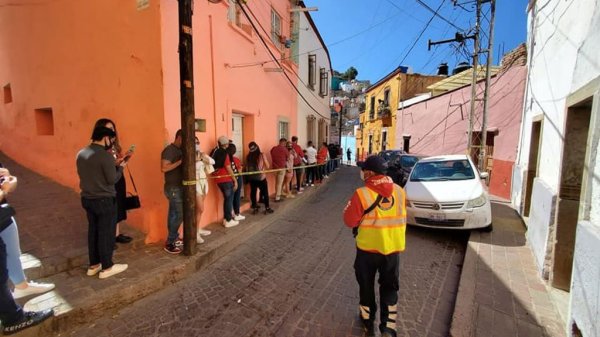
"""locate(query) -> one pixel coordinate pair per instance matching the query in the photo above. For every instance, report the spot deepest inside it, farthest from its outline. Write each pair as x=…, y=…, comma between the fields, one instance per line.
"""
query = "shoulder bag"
x=132, y=201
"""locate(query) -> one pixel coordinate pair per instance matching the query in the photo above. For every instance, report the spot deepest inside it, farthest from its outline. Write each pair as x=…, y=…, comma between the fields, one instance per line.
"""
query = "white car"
x=447, y=192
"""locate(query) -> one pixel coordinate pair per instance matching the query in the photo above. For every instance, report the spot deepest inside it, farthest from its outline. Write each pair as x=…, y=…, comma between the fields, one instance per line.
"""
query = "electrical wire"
x=297, y=75
x=435, y=13
x=242, y=65
x=243, y=8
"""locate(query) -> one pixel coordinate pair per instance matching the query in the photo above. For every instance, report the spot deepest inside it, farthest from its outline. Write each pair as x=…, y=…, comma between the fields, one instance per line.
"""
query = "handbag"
x=132, y=201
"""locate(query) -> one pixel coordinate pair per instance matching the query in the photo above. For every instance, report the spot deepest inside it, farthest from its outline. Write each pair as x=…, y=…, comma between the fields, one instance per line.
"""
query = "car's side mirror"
x=484, y=175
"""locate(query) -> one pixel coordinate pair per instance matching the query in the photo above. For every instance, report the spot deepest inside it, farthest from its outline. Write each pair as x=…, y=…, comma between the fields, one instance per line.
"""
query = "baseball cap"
x=373, y=163
x=223, y=140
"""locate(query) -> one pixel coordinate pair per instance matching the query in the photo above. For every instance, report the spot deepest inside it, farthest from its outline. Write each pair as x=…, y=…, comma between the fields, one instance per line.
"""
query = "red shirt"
x=223, y=172
x=299, y=152
x=322, y=155
x=279, y=156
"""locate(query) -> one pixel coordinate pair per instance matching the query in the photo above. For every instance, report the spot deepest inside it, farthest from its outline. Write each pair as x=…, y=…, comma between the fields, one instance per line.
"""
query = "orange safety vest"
x=383, y=229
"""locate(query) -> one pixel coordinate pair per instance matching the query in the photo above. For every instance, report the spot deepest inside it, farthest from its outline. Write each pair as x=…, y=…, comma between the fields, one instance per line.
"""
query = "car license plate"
x=437, y=217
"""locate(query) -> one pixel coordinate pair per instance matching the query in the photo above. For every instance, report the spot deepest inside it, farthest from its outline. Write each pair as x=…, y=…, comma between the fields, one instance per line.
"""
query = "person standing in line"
x=203, y=162
x=299, y=171
x=171, y=159
x=226, y=180
x=322, y=162
x=236, y=167
x=377, y=214
x=349, y=155
x=13, y=318
x=120, y=186
x=311, y=157
x=10, y=235
x=289, y=173
x=97, y=178
x=255, y=162
x=279, y=157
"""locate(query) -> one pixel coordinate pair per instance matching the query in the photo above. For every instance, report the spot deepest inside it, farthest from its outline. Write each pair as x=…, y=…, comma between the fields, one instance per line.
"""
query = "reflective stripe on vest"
x=383, y=229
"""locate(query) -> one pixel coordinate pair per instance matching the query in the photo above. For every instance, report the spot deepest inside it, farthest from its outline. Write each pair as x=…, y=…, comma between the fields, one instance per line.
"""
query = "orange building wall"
x=93, y=59
x=85, y=60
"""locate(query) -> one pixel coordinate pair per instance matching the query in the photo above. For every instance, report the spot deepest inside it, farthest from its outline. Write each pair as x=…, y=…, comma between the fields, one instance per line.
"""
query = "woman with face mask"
x=114, y=147
x=203, y=166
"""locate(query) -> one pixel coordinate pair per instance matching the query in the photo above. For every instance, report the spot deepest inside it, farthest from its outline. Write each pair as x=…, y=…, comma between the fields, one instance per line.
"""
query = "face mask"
x=362, y=175
x=109, y=145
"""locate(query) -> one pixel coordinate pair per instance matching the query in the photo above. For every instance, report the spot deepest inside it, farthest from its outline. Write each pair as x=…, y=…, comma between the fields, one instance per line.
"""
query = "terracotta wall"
x=439, y=125
x=85, y=60
x=88, y=60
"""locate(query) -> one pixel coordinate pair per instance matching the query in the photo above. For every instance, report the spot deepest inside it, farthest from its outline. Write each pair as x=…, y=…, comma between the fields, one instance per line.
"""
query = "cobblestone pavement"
x=296, y=279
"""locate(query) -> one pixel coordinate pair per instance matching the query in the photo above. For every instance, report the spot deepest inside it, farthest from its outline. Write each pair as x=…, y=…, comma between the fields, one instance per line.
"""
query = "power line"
x=264, y=43
x=435, y=13
x=297, y=75
x=414, y=43
x=242, y=65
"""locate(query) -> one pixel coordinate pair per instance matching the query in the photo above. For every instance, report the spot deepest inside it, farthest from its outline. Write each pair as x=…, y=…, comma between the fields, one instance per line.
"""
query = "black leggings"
x=264, y=192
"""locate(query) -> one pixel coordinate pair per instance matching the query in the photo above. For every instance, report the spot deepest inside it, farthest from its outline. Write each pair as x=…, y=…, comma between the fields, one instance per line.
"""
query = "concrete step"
x=79, y=299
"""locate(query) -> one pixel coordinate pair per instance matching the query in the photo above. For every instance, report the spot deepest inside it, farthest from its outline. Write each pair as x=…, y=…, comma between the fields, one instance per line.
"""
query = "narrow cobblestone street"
x=296, y=279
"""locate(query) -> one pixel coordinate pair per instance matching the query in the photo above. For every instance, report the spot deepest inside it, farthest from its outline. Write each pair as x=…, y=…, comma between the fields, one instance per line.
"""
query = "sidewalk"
x=53, y=232
x=500, y=291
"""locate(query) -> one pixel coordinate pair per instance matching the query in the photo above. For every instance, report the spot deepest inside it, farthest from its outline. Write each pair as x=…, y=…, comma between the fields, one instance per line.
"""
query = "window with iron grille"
x=372, y=108
x=275, y=28
x=283, y=130
x=324, y=84
x=312, y=71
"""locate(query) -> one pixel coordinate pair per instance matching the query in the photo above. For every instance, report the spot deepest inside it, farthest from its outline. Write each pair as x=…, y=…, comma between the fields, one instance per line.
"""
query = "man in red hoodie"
x=377, y=215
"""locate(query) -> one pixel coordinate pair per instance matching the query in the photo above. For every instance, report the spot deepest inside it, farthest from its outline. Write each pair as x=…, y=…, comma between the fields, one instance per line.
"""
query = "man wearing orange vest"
x=377, y=215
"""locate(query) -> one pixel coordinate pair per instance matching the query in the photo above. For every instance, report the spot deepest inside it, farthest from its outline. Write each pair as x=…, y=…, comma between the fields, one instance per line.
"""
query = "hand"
x=4, y=172
x=9, y=184
x=235, y=185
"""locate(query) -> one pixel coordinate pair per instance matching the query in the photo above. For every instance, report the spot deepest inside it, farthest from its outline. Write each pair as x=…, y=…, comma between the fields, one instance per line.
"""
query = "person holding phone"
x=121, y=159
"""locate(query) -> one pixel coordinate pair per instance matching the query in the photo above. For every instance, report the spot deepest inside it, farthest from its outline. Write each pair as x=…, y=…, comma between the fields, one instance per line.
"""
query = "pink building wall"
x=89, y=60
x=222, y=88
x=439, y=125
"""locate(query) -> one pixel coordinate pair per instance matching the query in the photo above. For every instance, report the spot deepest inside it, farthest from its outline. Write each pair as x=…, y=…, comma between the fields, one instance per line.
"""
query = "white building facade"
x=314, y=82
x=556, y=178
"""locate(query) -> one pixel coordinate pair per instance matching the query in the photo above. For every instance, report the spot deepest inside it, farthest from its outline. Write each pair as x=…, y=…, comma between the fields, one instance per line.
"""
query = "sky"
x=375, y=36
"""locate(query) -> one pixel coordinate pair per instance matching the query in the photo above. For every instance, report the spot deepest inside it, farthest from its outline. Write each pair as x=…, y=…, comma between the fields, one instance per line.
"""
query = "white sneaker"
x=204, y=232
x=32, y=289
x=239, y=217
x=94, y=271
x=114, y=270
x=230, y=223
x=199, y=238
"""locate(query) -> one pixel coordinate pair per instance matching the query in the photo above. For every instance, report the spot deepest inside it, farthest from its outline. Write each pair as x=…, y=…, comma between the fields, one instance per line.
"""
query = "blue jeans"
x=10, y=312
x=101, y=229
x=175, y=215
x=10, y=236
x=237, y=196
x=227, y=190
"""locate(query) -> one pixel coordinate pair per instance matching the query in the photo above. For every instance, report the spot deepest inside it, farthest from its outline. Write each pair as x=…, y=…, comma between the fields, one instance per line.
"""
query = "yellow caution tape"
x=194, y=182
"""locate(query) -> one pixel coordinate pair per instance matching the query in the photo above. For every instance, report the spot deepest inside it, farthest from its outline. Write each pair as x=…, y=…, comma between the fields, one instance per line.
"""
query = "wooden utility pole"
x=186, y=75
